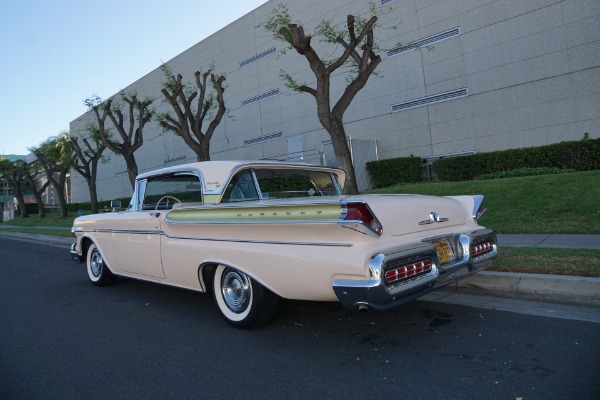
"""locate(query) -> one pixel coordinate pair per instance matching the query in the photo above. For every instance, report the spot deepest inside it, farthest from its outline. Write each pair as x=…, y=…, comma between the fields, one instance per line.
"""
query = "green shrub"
x=73, y=207
x=514, y=173
x=582, y=155
x=32, y=208
x=395, y=170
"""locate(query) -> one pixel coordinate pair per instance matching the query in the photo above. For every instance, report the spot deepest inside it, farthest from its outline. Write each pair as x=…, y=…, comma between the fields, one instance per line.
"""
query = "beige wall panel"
x=531, y=68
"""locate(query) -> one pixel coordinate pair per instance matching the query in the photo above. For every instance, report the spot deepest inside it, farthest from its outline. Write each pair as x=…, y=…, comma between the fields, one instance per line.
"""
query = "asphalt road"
x=63, y=338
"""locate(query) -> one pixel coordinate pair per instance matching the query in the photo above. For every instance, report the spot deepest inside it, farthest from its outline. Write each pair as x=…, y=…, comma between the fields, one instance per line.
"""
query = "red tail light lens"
x=480, y=212
x=481, y=248
x=361, y=212
x=407, y=272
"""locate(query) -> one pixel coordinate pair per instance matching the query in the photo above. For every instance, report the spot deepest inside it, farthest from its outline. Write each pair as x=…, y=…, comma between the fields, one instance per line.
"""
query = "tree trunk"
x=343, y=156
x=93, y=195
x=62, y=203
x=40, y=204
x=203, y=151
x=21, y=202
x=132, y=169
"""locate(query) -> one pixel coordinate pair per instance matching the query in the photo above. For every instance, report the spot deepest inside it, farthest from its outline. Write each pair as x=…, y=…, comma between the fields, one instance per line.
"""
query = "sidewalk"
x=551, y=288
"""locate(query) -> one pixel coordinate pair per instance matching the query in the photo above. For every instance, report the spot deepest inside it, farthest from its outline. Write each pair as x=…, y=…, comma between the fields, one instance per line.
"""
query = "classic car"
x=252, y=233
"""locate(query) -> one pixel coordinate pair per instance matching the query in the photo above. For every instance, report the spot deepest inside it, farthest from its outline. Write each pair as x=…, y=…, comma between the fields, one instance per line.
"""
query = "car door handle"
x=155, y=214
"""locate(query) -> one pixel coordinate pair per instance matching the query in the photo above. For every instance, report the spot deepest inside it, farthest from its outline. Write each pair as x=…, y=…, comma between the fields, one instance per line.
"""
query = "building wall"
x=529, y=72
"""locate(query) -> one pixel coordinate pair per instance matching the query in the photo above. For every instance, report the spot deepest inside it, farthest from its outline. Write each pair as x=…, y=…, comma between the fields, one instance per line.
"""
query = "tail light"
x=478, y=249
x=361, y=212
x=407, y=272
x=480, y=212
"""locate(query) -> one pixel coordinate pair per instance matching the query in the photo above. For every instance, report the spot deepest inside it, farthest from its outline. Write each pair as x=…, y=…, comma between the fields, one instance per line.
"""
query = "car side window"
x=294, y=183
x=163, y=192
x=240, y=188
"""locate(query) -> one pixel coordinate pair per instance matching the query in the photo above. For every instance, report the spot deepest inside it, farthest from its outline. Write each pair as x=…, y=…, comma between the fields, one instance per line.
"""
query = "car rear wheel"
x=243, y=302
x=97, y=270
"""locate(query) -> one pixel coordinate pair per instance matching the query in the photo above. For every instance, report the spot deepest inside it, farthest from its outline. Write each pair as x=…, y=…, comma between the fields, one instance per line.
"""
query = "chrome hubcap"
x=236, y=290
x=96, y=264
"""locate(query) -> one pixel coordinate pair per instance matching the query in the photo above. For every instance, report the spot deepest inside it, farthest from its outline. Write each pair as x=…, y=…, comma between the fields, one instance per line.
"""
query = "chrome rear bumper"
x=375, y=293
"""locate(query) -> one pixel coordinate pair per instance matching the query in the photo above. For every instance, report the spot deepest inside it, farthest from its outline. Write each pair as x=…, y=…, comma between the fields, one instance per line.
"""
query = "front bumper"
x=75, y=254
x=375, y=293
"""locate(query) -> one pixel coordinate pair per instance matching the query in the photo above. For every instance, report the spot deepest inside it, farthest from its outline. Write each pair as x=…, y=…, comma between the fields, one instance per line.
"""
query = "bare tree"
x=129, y=129
x=358, y=45
x=31, y=173
x=56, y=157
x=13, y=174
x=190, y=115
x=87, y=156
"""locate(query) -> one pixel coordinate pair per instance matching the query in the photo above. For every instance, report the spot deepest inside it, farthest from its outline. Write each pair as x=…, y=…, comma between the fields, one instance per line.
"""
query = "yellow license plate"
x=444, y=251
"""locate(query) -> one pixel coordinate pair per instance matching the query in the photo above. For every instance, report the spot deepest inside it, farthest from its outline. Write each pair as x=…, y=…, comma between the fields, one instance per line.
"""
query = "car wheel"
x=97, y=270
x=243, y=302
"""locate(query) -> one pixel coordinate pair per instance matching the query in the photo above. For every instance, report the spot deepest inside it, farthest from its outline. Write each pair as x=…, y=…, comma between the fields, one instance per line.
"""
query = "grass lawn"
x=41, y=231
x=51, y=219
x=562, y=203
x=576, y=262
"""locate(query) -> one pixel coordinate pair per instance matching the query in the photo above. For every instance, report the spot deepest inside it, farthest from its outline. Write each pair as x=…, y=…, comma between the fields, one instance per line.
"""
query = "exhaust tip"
x=363, y=308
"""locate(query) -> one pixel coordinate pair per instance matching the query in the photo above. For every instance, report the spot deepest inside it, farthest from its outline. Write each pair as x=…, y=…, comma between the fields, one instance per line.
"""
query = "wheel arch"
x=207, y=269
x=86, y=242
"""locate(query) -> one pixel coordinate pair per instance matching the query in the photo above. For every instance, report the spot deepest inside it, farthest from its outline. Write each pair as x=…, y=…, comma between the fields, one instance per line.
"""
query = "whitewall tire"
x=243, y=302
x=97, y=270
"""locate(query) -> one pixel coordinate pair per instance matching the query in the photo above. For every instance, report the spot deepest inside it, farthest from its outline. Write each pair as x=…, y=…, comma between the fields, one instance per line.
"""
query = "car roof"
x=216, y=174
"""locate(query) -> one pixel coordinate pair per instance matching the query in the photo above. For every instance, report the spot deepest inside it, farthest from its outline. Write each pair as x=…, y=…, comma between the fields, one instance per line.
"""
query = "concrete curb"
x=556, y=288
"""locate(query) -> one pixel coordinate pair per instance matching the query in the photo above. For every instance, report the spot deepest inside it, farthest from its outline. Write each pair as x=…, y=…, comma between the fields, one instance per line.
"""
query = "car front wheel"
x=97, y=270
x=243, y=302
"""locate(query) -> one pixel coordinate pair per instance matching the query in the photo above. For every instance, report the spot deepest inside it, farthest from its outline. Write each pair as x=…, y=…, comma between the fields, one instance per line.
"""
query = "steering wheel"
x=167, y=197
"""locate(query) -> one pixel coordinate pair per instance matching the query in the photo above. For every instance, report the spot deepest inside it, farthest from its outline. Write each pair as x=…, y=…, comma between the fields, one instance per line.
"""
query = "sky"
x=54, y=54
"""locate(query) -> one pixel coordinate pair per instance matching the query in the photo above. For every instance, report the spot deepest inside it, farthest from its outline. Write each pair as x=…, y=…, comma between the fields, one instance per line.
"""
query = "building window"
x=425, y=101
x=263, y=138
x=170, y=160
x=257, y=57
x=424, y=42
x=260, y=97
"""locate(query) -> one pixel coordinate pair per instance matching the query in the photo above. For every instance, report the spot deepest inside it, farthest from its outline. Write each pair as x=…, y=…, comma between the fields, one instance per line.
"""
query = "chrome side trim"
x=358, y=226
x=128, y=231
x=344, y=211
x=325, y=244
x=162, y=233
x=291, y=221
